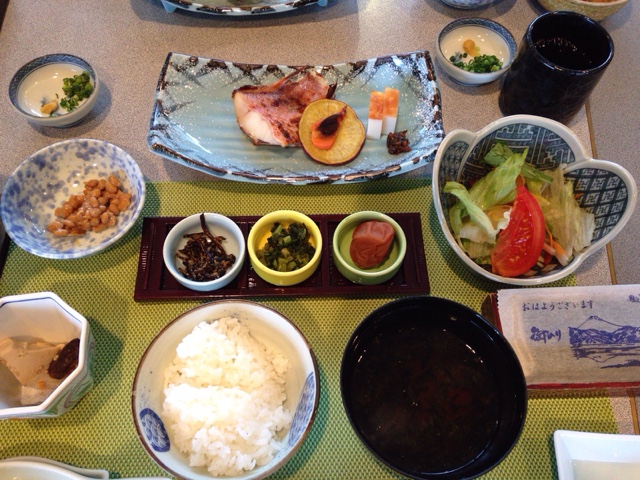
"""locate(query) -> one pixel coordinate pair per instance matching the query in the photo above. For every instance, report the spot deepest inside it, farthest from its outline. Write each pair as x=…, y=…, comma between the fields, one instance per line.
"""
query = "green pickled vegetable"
x=287, y=249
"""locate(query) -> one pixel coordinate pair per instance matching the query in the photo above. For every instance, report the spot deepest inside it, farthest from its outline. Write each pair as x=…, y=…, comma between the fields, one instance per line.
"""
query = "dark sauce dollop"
x=425, y=398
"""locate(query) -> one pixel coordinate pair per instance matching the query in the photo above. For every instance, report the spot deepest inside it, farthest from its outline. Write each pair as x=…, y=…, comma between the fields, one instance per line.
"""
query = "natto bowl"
x=47, y=178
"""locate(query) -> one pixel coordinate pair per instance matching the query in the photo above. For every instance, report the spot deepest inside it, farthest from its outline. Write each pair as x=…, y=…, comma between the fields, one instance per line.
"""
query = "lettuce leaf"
x=499, y=154
x=571, y=225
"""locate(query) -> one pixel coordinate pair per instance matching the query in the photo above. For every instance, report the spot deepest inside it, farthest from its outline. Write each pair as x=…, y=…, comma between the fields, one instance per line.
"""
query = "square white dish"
x=596, y=456
x=193, y=121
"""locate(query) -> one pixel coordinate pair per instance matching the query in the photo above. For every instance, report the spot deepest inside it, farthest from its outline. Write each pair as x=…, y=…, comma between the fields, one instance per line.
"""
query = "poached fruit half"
x=349, y=134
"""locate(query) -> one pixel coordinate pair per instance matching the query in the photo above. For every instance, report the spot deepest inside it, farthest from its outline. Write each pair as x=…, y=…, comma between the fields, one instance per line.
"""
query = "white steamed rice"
x=224, y=395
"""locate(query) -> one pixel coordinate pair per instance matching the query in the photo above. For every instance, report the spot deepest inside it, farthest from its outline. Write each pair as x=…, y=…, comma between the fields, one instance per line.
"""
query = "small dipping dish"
x=41, y=81
x=489, y=37
x=219, y=226
x=370, y=276
x=261, y=231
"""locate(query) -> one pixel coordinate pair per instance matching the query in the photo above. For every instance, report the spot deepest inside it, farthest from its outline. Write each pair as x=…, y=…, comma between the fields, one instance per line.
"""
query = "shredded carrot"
x=558, y=250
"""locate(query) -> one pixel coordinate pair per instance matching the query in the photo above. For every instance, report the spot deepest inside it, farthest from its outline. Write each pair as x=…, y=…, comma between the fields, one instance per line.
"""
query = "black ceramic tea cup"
x=561, y=58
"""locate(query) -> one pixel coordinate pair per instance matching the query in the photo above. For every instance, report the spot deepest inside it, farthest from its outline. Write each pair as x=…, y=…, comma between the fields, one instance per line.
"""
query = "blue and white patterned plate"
x=193, y=122
x=468, y=4
x=603, y=188
x=46, y=179
x=239, y=7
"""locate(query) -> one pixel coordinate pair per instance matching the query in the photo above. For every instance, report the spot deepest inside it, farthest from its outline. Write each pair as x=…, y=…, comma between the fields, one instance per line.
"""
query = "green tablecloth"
x=99, y=432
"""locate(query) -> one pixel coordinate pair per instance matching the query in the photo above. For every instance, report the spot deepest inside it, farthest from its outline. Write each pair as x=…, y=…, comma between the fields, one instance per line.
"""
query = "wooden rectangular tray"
x=154, y=282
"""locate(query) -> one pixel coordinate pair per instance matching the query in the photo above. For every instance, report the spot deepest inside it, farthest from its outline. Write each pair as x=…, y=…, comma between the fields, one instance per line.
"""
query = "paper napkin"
x=569, y=335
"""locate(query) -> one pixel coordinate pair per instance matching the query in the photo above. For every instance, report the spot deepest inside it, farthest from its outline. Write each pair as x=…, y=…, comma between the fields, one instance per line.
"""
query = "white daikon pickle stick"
x=390, y=111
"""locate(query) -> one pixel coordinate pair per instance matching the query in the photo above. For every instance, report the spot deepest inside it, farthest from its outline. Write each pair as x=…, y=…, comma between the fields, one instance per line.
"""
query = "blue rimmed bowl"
x=468, y=4
x=41, y=81
x=265, y=325
x=602, y=187
x=490, y=37
x=47, y=178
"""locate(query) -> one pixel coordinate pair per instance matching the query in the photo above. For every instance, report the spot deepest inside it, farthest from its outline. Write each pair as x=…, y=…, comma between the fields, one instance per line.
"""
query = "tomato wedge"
x=519, y=245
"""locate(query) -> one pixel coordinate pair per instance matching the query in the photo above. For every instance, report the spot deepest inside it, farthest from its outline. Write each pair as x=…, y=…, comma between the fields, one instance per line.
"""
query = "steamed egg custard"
x=44, y=85
x=485, y=42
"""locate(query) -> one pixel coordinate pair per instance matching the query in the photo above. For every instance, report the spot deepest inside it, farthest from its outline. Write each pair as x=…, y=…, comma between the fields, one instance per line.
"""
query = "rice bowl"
x=224, y=394
x=280, y=430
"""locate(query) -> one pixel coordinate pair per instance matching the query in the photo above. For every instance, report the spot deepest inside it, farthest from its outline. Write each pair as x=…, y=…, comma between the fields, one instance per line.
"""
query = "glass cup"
x=561, y=58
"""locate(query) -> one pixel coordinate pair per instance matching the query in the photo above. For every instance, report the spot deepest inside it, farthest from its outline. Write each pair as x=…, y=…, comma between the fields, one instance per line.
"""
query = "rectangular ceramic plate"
x=596, y=456
x=239, y=7
x=193, y=121
x=154, y=282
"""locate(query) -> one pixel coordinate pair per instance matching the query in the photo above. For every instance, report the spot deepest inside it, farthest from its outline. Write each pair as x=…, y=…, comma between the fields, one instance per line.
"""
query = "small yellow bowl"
x=370, y=276
x=261, y=231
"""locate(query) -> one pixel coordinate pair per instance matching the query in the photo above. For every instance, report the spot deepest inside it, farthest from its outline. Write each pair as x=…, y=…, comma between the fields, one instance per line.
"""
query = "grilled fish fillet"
x=269, y=114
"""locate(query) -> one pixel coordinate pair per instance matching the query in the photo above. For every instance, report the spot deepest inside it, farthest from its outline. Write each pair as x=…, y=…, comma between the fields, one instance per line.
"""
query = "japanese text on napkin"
x=574, y=334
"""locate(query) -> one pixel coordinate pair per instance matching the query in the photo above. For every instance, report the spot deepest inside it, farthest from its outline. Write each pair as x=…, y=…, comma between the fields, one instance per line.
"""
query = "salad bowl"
x=601, y=187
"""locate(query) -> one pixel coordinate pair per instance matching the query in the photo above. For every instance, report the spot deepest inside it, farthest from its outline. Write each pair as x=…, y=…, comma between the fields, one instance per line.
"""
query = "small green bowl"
x=369, y=276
